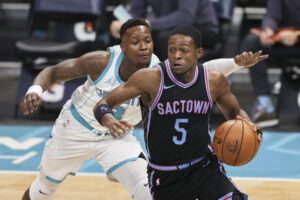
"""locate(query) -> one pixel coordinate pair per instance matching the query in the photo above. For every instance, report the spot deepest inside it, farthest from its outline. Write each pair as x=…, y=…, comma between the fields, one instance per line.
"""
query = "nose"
x=143, y=46
x=177, y=55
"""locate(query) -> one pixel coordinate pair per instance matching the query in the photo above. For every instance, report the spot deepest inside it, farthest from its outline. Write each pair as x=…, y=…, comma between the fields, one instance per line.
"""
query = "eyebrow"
x=182, y=44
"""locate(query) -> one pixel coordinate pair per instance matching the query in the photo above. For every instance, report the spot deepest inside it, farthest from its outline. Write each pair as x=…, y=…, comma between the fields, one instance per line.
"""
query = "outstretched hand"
x=248, y=59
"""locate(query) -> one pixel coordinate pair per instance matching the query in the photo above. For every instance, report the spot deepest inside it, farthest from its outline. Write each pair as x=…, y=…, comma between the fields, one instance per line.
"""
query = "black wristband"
x=101, y=110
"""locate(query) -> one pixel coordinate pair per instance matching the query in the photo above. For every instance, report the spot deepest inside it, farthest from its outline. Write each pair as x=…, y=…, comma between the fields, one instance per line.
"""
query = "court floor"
x=275, y=169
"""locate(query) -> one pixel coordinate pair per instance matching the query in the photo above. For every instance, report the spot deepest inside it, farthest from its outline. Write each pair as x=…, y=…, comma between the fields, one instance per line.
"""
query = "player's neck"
x=127, y=69
x=185, y=77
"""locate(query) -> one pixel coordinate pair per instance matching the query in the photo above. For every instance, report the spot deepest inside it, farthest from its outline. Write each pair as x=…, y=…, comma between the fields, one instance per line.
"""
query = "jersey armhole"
x=206, y=78
x=158, y=95
x=111, y=58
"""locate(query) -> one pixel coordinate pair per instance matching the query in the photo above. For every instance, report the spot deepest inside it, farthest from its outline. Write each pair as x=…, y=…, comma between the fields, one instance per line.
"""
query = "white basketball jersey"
x=85, y=97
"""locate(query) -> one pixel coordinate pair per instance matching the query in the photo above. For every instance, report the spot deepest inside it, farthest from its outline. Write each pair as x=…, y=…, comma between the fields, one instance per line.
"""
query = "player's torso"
x=176, y=126
x=86, y=96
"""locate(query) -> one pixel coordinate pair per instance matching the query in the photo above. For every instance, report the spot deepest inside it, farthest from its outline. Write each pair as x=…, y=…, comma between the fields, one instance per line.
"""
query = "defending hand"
x=248, y=59
x=30, y=103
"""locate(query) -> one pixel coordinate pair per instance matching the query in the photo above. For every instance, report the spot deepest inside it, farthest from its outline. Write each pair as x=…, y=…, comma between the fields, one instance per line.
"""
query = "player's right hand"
x=30, y=103
x=254, y=128
x=119, y=128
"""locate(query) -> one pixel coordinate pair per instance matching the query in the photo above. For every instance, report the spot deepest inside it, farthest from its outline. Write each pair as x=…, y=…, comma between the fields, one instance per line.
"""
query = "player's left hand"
x=248, y=59
x=254, y=128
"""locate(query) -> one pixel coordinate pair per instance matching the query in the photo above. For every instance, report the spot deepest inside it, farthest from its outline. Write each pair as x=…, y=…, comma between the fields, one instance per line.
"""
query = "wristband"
x=35, y=89
x=101, y=110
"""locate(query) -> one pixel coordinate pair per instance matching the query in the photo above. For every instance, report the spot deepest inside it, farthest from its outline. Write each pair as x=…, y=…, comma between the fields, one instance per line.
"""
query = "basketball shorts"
x=70, y=144
x=204, y=180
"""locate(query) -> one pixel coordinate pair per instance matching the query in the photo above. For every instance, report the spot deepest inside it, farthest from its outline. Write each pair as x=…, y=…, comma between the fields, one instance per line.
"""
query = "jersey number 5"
x=180, y=130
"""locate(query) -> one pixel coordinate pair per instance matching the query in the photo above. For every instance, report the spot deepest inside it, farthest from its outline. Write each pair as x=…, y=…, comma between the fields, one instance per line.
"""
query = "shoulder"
x=218, y=83
x=216, y=76
x=96, y=57
x=144, y=77
x=147, y=74
x=93, y=63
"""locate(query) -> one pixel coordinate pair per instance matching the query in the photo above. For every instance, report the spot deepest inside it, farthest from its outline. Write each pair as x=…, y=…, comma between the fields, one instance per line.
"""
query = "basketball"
x=235, y=143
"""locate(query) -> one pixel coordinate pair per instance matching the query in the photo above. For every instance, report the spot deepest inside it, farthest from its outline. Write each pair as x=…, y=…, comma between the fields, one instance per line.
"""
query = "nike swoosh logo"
x=42, y=192
x=146, y=185
x=167, y=87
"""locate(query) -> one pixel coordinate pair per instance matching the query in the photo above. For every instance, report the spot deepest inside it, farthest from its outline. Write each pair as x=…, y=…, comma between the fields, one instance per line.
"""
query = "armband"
x=101, y=110
x=35, y=89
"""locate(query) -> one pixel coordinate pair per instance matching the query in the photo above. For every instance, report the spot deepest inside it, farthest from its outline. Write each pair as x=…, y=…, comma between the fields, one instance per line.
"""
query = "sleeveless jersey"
x=176, y=125
x=85, y=97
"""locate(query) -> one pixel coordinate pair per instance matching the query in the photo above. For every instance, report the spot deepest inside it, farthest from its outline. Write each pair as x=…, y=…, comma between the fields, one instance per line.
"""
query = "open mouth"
x=177, y=65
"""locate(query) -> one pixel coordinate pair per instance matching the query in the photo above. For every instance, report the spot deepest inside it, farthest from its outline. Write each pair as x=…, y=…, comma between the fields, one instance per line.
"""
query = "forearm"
x=224, y=65
x=244, y=114
x=44, y=78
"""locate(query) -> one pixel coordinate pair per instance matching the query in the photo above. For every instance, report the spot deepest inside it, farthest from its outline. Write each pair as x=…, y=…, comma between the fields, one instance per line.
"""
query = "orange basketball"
x=235, y=143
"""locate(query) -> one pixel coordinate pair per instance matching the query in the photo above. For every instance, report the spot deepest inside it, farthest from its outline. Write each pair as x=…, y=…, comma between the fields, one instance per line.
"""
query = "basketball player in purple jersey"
x=176, y=99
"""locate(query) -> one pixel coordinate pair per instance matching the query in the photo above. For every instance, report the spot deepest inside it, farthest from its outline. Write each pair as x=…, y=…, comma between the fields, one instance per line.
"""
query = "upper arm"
x=89, y=64
x=223, y=96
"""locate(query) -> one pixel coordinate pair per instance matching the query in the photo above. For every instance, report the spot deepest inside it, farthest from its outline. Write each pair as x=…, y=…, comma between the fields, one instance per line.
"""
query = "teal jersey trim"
x=119, y=165
x=118, y=63
x=59, y=181
x=112, y=55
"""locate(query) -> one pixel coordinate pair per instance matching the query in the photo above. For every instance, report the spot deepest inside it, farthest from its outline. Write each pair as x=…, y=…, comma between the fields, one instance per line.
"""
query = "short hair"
x=131, y=23
x=188, y=30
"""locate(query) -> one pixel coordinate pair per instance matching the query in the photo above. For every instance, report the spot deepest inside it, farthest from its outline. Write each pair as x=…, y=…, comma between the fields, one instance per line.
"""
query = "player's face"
x=137, y=45
x=183, y=54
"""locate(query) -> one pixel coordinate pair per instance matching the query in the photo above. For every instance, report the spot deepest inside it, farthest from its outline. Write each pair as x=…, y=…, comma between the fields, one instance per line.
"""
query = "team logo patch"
x=65, y=124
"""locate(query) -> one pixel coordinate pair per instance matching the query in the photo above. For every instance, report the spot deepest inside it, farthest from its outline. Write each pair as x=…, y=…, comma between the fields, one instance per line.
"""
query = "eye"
x=135, y=42
x=172, y=50
x=185, y=50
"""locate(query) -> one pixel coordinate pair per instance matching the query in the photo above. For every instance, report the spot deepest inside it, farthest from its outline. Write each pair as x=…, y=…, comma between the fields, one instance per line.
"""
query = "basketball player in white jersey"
x=77, y=136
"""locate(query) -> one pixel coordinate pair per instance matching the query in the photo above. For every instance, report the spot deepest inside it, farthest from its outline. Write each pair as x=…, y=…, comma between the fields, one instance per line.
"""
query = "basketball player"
x=176, y=98
x=77, y=136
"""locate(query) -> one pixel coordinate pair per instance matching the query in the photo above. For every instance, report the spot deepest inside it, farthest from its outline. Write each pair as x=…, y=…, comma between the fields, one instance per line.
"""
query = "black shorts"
x=205, y=180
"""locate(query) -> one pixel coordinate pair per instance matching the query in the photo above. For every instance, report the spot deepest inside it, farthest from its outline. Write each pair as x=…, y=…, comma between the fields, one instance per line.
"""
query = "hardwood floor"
x=96, y=187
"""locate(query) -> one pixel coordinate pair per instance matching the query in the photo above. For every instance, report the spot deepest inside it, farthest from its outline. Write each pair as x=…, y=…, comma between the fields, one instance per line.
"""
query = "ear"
x=199, y=52
x=123, y=46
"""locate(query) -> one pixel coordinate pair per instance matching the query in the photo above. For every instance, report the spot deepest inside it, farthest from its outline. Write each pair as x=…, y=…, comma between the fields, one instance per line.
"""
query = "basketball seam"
x=225, y=139
x=237, y=156
x=255, y=150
